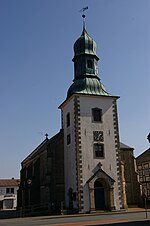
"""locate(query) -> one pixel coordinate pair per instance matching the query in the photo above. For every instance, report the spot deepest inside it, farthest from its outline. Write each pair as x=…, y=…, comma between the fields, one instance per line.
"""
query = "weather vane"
x=82, y=10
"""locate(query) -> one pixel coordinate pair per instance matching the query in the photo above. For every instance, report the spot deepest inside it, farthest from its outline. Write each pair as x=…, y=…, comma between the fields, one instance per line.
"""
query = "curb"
x=89, y=214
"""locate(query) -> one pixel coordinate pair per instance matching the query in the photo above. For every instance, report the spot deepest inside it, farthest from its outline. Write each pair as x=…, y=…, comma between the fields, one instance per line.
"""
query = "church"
x=81, y=167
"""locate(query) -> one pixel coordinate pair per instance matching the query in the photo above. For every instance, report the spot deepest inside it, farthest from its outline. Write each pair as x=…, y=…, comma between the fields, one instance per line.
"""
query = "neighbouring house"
x=8, y=193
x=143, y=167
x=132, y=185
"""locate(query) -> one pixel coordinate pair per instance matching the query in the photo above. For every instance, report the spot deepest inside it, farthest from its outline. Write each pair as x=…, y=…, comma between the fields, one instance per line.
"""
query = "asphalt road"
x=113, y=219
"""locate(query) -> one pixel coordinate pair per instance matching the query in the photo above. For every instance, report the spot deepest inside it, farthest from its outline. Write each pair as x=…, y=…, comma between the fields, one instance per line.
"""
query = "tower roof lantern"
x=86, y=78
x=84, y=44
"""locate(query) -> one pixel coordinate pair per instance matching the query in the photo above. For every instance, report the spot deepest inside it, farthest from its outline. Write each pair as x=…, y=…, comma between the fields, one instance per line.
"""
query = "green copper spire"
x=85, y=60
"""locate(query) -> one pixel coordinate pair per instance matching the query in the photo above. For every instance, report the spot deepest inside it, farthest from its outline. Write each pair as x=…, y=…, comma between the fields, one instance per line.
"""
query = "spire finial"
x=83, y=16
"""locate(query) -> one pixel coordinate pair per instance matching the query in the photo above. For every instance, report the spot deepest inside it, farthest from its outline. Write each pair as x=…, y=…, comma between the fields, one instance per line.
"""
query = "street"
x=114, y=219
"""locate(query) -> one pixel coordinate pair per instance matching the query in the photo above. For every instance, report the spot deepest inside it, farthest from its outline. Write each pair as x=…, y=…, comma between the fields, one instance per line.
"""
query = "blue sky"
x=36, y=68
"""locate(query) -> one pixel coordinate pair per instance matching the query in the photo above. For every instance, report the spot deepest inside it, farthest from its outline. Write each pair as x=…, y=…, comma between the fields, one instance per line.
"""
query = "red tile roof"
x=9, y=182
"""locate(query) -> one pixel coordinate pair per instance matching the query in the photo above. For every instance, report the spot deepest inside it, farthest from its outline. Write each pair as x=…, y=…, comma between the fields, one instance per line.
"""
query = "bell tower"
x=91, y=135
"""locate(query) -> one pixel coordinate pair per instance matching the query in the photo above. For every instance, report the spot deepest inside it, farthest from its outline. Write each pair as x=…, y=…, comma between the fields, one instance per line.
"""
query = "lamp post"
x=145, y=202
x=22, y=193
x=29, y=182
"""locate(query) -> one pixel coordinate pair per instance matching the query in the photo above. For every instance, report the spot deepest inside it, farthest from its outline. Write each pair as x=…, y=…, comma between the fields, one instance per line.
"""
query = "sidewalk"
x=137, y=209
x=16, y=214
x=114, y=222
x=129, y=210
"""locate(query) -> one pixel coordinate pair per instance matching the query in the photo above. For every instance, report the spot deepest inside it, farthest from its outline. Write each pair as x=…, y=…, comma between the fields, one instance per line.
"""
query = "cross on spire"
x=46, y=135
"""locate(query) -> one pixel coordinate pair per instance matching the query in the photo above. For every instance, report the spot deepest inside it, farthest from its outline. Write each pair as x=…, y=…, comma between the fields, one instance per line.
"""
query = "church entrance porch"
x=101, y=191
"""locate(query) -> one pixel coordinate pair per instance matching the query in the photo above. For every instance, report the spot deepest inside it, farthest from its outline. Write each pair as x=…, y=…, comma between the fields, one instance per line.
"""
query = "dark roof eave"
x=142, y=155
x=124, y=146
x=34, y=151
x=38, y=148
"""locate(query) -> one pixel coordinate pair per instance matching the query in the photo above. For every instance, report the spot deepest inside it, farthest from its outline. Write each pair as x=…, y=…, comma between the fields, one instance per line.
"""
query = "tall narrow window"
x=68, y=119
x=98, y=150
x=68, y=139
x=12, y=190
x=90, y=64
x=97, y=115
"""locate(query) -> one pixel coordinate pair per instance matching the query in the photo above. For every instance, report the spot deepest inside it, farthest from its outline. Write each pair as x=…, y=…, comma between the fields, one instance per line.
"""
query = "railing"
x=52, y=208
x=41, y=209
x=9, y=214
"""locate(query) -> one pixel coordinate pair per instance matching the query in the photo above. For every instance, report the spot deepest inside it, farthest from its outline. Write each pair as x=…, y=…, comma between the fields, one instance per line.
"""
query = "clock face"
x=98, y=135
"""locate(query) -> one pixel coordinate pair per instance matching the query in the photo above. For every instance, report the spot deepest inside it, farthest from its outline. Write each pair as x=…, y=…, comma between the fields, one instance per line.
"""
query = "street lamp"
x=145, y=201
x=29, y=182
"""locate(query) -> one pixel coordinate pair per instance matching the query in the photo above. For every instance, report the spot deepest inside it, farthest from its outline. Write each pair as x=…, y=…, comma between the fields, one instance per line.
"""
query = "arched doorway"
x=99, y=195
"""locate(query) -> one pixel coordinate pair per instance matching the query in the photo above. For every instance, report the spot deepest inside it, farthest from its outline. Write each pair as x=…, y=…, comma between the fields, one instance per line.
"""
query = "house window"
x=147, y=172
x=68, y=119
x=98, y=150
x=97, y=115
x=10, y=190
x=140, y=172
x=90, y=64
x=68, y=139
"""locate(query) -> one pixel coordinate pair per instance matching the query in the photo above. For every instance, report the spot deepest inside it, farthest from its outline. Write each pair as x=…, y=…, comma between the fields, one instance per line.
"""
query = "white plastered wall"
x=109, y=162
x=69, y=150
